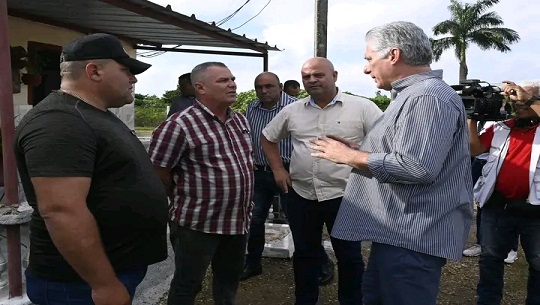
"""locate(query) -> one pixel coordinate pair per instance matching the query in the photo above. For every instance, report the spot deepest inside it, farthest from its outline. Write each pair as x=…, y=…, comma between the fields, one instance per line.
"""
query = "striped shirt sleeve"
x=420, y=145
x=167, y=144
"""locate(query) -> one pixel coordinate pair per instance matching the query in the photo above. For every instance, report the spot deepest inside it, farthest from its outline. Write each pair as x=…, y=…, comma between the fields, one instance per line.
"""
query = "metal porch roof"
x=136, y=21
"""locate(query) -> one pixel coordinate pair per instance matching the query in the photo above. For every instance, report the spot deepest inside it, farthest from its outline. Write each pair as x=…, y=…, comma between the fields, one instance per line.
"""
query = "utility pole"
x=321, y=27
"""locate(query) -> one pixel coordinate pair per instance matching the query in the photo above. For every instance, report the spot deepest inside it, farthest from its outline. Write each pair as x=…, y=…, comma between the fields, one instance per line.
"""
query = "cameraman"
x=477, y=164
x=508, y=193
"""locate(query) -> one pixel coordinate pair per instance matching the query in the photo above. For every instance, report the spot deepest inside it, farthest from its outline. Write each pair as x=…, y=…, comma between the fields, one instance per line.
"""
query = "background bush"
x=151, y=110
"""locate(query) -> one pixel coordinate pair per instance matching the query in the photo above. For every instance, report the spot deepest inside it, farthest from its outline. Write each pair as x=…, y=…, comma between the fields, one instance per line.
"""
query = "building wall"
x=21, y=31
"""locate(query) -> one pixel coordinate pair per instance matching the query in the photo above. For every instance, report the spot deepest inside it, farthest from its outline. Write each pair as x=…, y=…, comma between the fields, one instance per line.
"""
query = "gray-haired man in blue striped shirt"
x=410, y=189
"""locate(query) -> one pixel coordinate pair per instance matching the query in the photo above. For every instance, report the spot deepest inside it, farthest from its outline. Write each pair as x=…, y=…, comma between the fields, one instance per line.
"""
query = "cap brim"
x=134, y=66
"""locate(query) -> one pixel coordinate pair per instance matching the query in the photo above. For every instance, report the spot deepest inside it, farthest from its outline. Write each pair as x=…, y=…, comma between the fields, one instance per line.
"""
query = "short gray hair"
x=72, y=70
x=406, y=36
x=198, y=71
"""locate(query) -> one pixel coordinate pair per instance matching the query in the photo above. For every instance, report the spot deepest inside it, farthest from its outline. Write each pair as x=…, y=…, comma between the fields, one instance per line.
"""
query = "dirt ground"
x=458, y=284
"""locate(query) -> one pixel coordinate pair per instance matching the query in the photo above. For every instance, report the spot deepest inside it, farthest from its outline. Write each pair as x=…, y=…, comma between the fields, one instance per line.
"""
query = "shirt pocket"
x=205, y=148
x=349, y=129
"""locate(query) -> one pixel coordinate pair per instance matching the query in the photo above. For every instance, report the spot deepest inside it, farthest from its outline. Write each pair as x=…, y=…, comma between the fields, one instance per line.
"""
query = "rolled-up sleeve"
x=424, y=136
x=278, y=128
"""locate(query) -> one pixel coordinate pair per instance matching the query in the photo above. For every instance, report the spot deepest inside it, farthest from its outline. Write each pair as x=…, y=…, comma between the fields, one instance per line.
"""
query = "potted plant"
x=34, y=68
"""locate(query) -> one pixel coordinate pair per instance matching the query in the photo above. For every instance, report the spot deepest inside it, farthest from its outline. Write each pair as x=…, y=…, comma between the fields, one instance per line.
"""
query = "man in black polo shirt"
x=100, y=212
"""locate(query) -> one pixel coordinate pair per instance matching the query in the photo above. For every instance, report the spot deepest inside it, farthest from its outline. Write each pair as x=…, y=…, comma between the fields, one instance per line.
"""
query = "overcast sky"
x=289, y=25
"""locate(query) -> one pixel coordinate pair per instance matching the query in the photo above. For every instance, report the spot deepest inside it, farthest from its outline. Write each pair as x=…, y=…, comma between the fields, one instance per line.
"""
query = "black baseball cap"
x=101, y=46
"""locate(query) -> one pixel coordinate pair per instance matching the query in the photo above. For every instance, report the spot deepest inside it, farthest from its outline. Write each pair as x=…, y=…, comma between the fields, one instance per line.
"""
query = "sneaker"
x=474, y=250
x=512, y=257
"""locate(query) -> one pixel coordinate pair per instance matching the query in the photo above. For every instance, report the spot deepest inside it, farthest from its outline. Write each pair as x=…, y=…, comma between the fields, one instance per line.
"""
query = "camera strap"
x=525, y=123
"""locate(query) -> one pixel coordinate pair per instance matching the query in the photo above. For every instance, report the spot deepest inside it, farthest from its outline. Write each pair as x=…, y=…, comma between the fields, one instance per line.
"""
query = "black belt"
x=267, y=168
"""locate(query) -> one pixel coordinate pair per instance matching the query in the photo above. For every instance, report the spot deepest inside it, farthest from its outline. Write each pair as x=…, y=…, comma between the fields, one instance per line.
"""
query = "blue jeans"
x=499, y=230
x=306, y=220
x=193, y=253
x=398, y=276
x=265, y=190
x=48, y=292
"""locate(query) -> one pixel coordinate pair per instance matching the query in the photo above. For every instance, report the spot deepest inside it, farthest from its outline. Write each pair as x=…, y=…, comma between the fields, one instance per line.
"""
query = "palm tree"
x=469, y=24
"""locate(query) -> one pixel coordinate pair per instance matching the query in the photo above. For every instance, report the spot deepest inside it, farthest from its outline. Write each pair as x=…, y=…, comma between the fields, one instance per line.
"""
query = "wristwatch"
x=533, y=99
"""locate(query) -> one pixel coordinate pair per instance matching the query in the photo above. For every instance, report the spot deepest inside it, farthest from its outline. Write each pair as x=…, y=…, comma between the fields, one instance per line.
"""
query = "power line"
x=226, y=19
x=150, y=54
x=253, y=16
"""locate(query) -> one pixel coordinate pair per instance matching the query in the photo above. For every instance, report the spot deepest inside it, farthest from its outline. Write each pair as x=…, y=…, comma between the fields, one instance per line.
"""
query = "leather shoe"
x=327, y=273
x=249, y=272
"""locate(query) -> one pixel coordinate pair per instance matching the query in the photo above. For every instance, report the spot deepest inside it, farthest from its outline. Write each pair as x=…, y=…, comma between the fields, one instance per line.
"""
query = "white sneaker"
x=512, y=257
x=474, y=250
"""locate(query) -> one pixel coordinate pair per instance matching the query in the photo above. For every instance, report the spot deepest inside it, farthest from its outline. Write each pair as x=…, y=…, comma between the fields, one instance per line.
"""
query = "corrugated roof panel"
x=140, y=20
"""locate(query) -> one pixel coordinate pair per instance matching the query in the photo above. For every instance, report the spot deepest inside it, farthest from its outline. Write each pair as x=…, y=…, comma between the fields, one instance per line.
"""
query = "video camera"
x=483, y=102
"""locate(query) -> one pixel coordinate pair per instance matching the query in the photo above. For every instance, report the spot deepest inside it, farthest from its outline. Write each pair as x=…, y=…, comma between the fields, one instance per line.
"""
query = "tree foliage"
x=243, y=99
x=470, y=24
x=382, y=101
x=149, y=101
x=149, y=117
x=169, y=95
x=151, y=110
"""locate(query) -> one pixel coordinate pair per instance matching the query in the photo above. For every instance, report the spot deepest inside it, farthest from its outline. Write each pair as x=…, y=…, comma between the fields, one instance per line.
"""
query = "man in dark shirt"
x=187, y=95
x=291, y=87
x=100, y=212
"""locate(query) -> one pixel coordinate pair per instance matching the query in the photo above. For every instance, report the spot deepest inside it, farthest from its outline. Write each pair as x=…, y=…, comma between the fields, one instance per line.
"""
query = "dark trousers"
x=499, y=230
x=477, y=166
x=193, y=253
x=398, y=276
x=265, y=190
x=42, y=291
x=306, y=220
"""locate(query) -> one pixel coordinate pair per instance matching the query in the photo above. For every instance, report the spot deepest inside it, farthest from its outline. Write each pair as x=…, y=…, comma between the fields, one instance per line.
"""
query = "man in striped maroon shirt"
x=203, y=156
